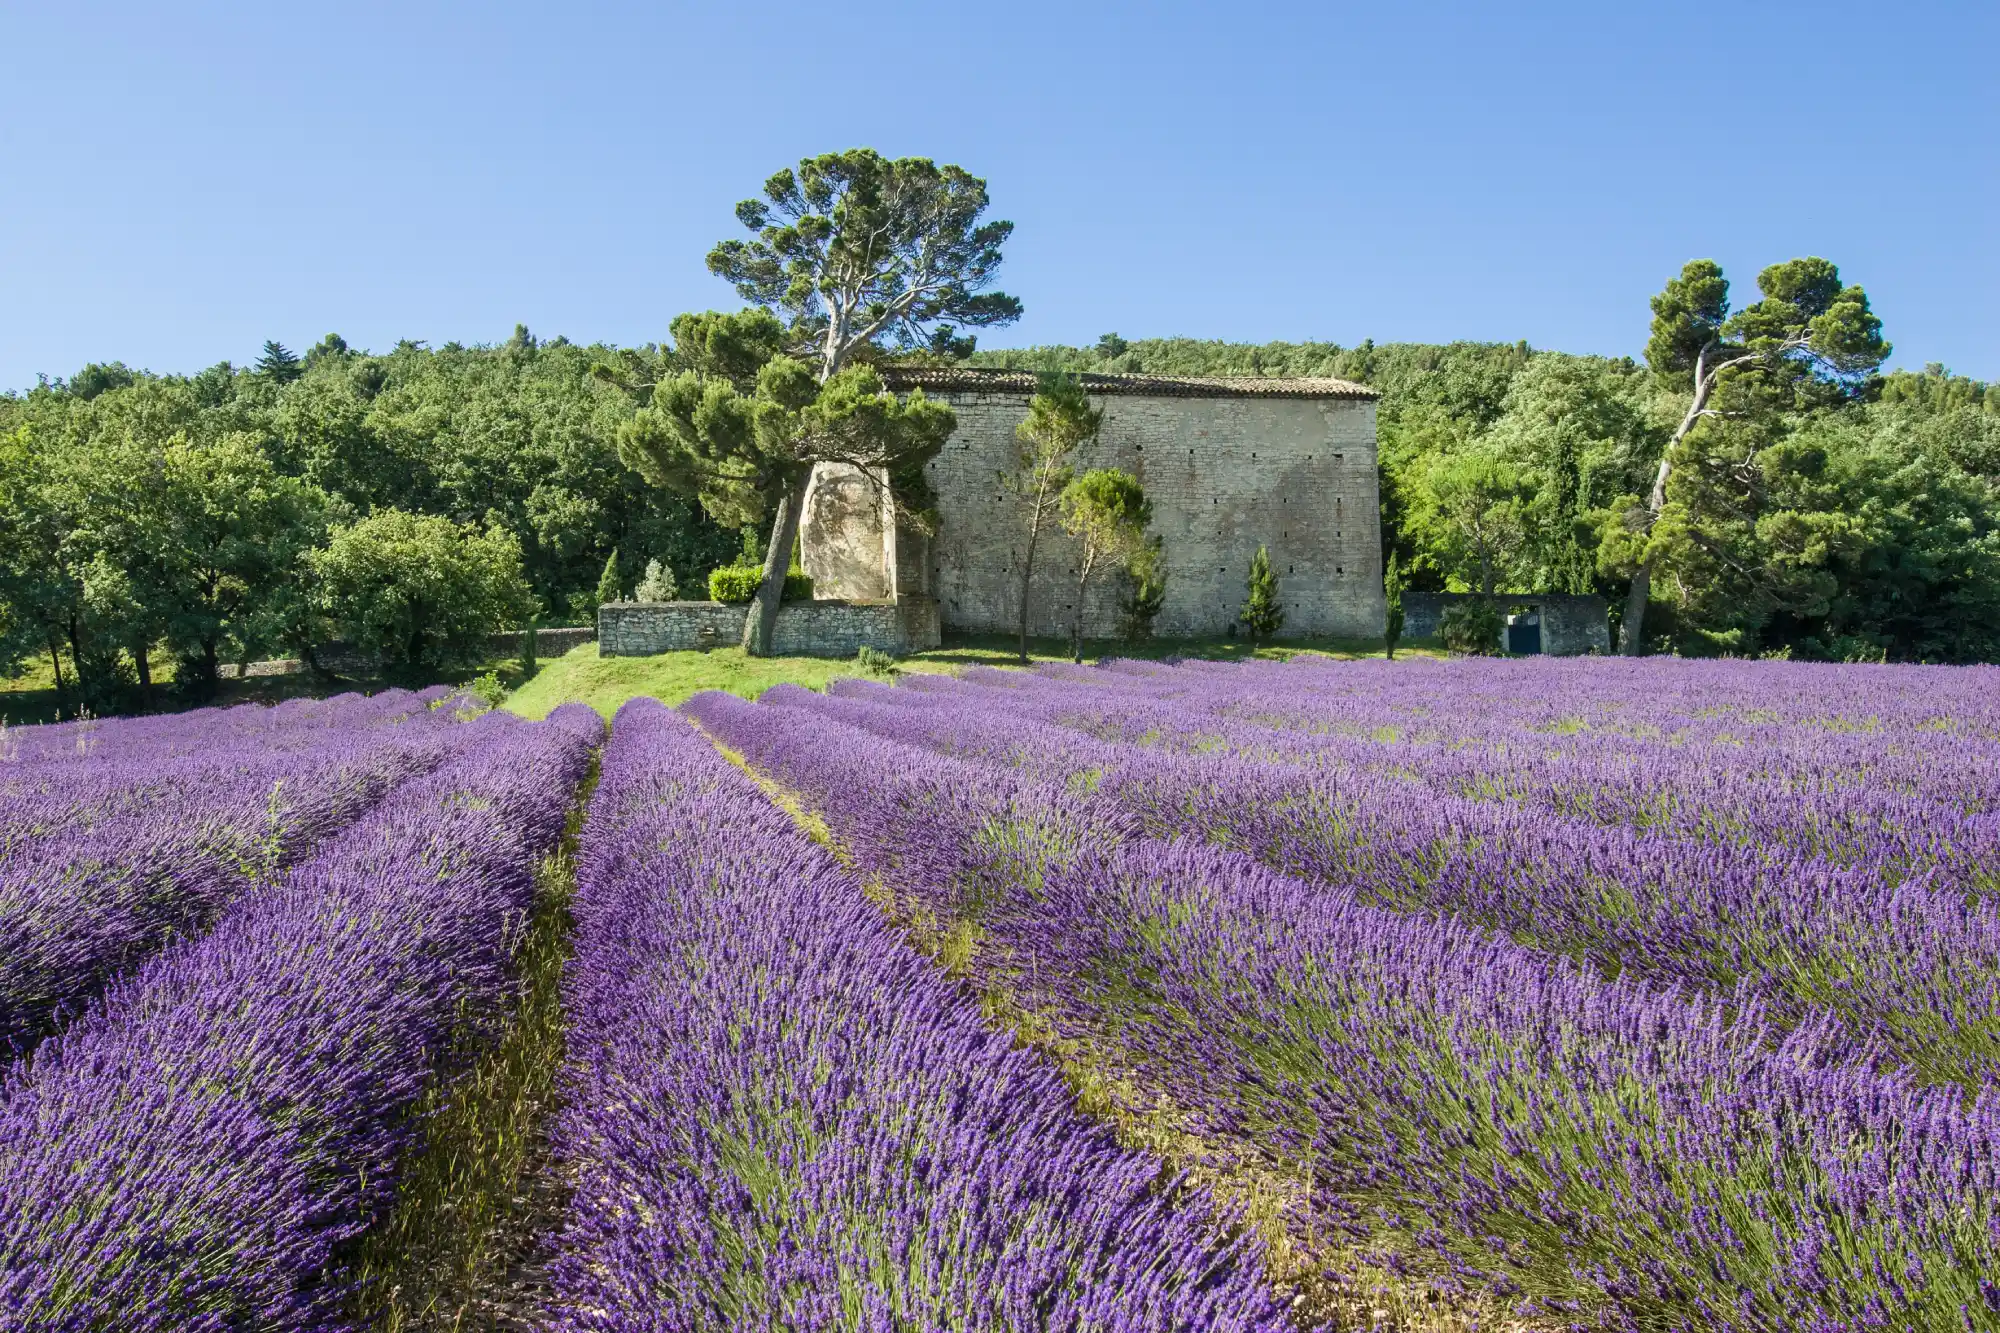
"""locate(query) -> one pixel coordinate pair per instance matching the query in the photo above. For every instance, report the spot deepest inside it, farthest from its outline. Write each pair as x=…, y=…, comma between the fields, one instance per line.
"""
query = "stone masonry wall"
x=1572, y=624
x=1223, y=475
x=806, y=629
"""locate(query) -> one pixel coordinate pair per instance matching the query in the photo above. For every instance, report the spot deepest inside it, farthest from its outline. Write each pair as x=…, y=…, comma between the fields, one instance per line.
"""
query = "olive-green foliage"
x=1106, y=509
x=607, y=583
x=418, y=590
x=522, y=434
x=1145, y=590
x=1392, y=596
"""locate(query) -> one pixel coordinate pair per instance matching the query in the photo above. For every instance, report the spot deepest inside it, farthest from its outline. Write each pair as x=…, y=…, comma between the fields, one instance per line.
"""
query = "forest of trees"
x=224, y=515
x=244, y=511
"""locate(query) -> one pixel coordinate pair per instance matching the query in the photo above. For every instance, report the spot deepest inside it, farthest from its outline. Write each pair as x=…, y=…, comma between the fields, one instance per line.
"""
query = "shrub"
x=877, y=663
x=487, y=688
x=1145, y=592
x=658, y=585
x=1263, y=614
x=1472, y=628
x=738, y=583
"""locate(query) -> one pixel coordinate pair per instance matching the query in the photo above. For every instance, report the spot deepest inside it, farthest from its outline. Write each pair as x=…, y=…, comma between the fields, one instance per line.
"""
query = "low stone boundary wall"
x=1572, y=624
x=805, y=629
x=339, y=658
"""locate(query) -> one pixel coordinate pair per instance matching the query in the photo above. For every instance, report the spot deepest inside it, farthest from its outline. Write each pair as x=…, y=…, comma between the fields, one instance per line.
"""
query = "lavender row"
x=1914, y=968
x=37, y=799
x=1609, y=1153
x=1885, y=810
x=29, y=754
x=191, y=1153
x=782, y=1117
x=79, y=905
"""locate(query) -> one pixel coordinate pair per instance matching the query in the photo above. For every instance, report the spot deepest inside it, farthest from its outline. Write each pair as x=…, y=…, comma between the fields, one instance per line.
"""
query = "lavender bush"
x=190, y=1154
x=104, y=860
x=1614, y=1153
x=782, y=1117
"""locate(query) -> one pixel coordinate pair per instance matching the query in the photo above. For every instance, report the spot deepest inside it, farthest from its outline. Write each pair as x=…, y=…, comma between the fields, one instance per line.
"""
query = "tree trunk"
x=760, y=625
x=55, y=663
x=1076, y=621
x=76, y=661
x=143, y=661
x=1028, y=566
x=1633, y=630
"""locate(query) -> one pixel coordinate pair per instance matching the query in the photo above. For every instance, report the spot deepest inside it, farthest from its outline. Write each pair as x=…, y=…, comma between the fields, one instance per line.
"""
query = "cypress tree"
x=1262, y=615
x=607, y=582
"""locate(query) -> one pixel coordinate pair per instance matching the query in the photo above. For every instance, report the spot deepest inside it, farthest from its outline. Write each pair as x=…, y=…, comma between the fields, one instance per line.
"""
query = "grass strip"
x=464, y=1248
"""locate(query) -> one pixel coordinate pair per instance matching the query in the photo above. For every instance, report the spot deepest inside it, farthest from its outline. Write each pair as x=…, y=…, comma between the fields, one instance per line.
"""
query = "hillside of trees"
x=197, y=516
x=1859, y=524
x=226, y=515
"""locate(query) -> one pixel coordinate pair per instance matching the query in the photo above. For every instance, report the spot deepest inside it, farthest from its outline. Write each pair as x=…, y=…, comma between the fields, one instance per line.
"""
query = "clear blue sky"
x=183, y=181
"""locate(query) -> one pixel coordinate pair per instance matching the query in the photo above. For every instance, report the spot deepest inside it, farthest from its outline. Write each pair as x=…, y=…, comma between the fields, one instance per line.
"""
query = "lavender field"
x=1590, y=994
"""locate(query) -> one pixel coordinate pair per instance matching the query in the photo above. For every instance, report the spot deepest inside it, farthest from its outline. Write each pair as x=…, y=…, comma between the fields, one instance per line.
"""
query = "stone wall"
x=805, y=629
x=1571, y=624
x=1223, y=474
x=343, y=660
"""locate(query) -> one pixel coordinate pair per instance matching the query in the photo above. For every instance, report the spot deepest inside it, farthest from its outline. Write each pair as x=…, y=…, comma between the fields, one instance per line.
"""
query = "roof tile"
x=970, y=379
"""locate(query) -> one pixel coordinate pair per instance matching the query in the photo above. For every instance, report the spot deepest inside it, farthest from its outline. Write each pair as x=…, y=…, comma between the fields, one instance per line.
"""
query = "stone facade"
x=1571, y=624
x=853, y=552
x=1227, y=465
x=807, y=629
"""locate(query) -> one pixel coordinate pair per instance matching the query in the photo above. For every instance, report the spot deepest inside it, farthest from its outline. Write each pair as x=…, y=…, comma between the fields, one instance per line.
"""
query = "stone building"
x=1228, y=463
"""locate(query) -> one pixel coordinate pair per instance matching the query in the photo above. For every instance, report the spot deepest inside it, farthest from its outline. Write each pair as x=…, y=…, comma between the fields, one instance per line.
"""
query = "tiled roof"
x=968, y=379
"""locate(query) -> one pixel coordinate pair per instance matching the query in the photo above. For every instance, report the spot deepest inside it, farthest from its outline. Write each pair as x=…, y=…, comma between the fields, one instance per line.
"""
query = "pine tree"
x=278, y=363
x=1262, y=614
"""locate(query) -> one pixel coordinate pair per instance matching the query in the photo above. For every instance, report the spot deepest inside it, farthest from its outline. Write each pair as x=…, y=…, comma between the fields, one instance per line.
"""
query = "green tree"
x=1145, y=590
x=1263, y=614
x=746, y=453
x=418, y=590
x=607, y=582
x=1809, y=342
x=279, y=363
x=1107, y=511
x=1472, y=506
x=856, y=253
x=1060, y=420
x=234, y=531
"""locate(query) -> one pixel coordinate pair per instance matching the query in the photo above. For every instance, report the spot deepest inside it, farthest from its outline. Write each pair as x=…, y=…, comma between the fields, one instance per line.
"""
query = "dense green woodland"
x=1847, y=521
x=407, y=502
x=413, y=500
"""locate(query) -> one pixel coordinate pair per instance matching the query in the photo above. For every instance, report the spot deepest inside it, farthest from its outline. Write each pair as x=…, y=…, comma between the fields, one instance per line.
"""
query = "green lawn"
x=606, y=682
